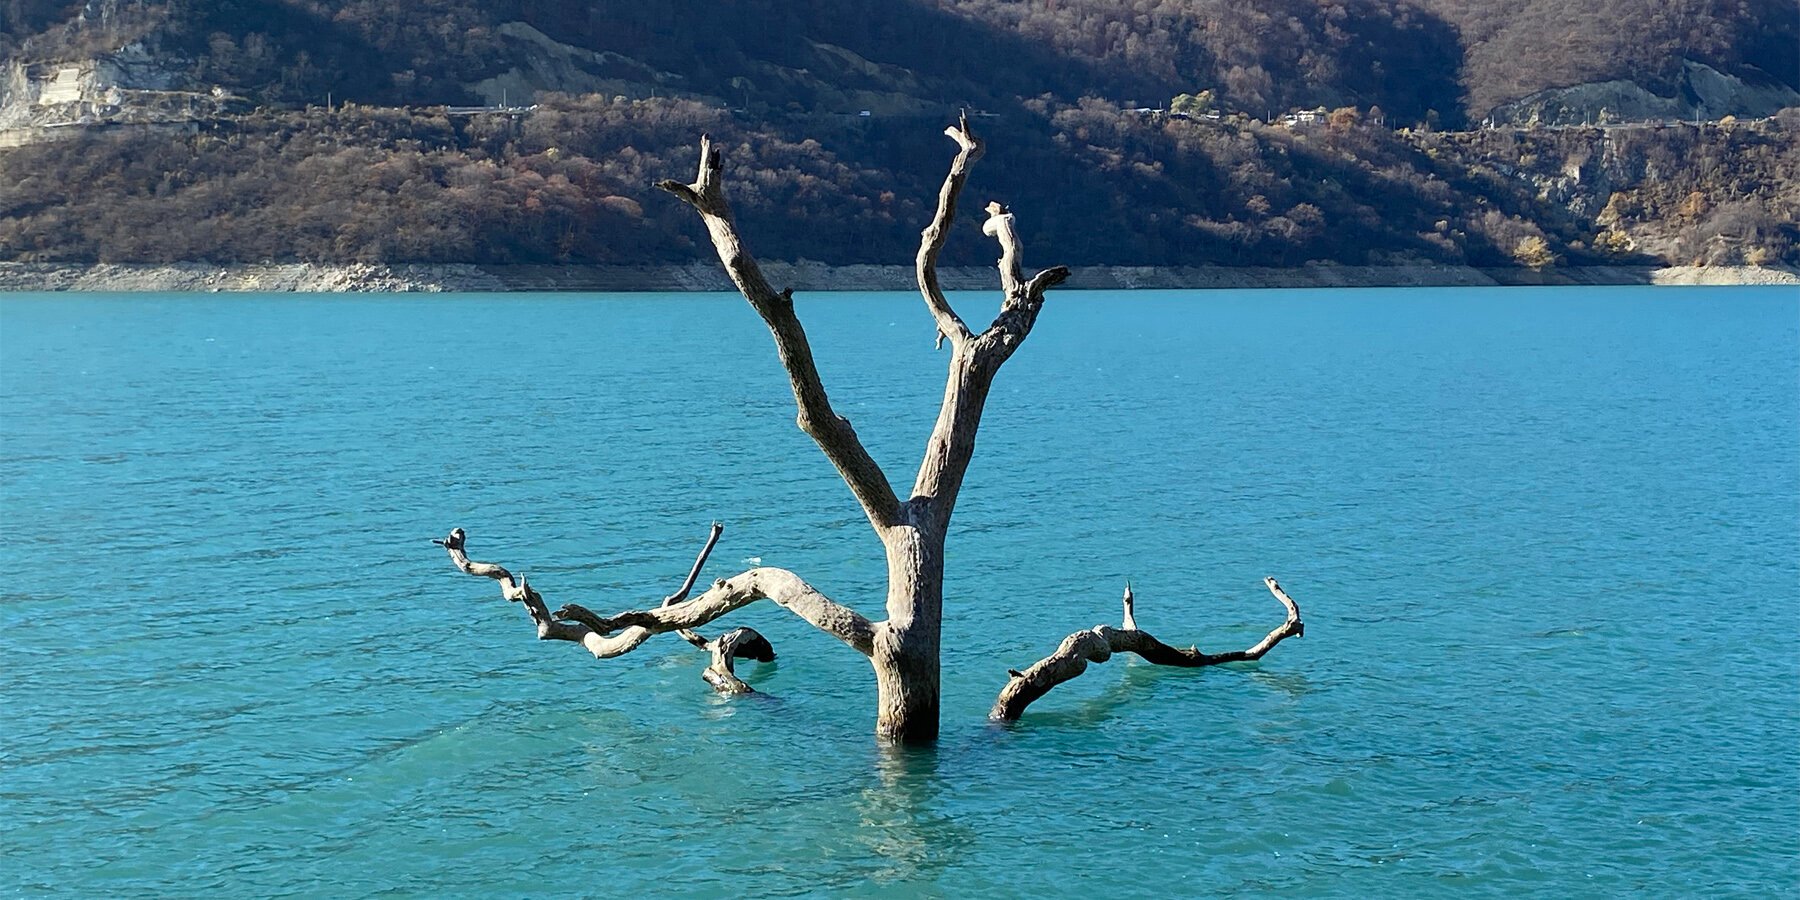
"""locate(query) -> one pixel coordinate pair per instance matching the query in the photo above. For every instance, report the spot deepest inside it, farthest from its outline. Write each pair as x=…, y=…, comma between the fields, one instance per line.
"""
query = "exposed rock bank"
x=1700, y=90
x=805, y=276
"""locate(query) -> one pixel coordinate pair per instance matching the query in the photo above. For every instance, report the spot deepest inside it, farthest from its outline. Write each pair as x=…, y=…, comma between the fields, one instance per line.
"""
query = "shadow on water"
x=1113, y=702
x=760, y=673
x=1295, y=685
x=1132, y=691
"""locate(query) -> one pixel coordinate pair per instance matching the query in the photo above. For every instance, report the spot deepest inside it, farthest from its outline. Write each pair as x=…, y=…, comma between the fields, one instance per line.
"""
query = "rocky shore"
x=807, y=276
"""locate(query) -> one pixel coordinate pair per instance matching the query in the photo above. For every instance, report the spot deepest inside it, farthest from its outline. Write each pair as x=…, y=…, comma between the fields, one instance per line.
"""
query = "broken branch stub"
x=1099, y=643
x=738, y=643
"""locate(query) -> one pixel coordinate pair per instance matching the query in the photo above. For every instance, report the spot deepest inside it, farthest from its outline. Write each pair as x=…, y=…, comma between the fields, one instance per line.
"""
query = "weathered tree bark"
x=1099, y=643
x=904, y=648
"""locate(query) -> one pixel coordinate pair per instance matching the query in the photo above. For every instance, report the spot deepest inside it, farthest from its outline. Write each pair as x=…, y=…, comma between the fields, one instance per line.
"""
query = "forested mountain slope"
x=1408, y=57
x=219, y=121
x=570, y=182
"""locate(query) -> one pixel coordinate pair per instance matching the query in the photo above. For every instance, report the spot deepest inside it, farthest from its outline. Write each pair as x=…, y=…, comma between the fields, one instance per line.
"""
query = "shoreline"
x=809, y=276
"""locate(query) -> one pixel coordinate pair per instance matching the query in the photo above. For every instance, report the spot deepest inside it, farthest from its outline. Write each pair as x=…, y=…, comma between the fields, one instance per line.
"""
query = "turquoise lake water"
x=1546, y=542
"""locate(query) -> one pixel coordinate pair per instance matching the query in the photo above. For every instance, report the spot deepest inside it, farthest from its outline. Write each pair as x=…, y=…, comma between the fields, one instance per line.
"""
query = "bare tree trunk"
x=907, y=644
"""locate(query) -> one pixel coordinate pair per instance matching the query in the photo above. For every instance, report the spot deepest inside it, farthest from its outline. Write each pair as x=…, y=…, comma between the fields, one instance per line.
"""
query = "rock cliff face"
x=542, y=63
x=129, y=86
x=1703, y=92
x=1712, y=195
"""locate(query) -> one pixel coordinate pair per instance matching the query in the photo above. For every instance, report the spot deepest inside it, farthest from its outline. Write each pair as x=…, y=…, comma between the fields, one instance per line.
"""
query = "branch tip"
x=965, y=138
x=687, y=585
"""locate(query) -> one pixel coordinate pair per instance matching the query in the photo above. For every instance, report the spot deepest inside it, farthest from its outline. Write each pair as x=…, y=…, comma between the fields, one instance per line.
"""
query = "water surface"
x=1545, y=543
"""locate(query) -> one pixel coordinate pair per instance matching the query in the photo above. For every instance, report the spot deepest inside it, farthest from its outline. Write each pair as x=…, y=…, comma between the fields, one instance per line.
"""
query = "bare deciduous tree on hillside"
x=903, y=648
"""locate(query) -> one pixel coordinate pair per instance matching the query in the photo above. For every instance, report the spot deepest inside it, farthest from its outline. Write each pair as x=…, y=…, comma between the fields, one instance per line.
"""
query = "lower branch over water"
x=607, y=637
x=1099, y=643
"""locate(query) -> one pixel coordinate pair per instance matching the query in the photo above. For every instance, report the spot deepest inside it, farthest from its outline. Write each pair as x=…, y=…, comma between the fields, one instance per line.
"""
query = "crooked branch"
x=608, y=637
x=515, y=590
x=975, y=361
x=785, y=588
x=1099, y=643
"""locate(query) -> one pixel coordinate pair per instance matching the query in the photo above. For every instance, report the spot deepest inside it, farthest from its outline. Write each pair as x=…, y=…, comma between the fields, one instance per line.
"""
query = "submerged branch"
x=1099, y=643
x=738, y=643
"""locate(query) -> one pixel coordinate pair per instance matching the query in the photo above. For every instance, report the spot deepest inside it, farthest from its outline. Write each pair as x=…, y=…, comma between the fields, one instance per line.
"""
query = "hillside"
x=569, y=182
x=1457, y=58
x=212, y=113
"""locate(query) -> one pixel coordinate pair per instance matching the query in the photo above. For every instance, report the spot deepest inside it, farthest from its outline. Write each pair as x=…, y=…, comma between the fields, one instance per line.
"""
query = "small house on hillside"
x=1300, y=117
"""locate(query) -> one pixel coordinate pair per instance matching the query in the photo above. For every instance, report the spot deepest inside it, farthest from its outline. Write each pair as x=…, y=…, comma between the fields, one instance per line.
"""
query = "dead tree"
x=903, y=648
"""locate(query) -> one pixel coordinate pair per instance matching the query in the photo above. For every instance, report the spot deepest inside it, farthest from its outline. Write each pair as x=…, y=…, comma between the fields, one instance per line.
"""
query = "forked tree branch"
x=829, y=430
x=931, y=240
x=1099, y=643
x=905, y=648
x=975, y=363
